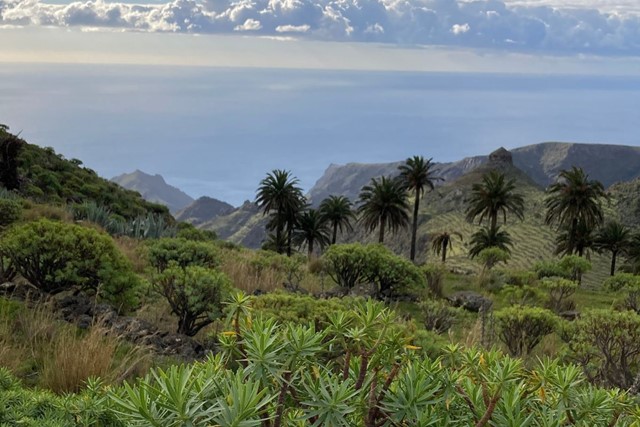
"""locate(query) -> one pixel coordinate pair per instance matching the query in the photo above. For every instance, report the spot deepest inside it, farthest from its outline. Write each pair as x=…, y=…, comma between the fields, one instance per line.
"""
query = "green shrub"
x=559, y=291
x=299, y=309
x=606, y=344
x=550, y=269
x=194, y=293
x=354, y=264
x=490, y=257
x=519, y=277
x=521, y=295
x=189, y=232
x=56, y=257
x=521, y=328
x=575, y=265
x=629, y=285
x=435, y=274
x=438, y=316
x=10, y=212
x=183, y=252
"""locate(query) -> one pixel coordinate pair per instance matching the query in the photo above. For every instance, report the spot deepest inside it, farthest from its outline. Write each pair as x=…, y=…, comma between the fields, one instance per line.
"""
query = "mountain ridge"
x=155, y=189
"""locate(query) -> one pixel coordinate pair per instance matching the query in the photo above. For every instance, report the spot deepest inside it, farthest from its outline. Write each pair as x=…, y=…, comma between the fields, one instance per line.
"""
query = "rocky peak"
x=501, y=155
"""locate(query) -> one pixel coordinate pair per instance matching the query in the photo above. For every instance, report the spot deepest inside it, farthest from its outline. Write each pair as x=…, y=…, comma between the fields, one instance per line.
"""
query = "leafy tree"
x=338, y=212
x=633, y=256
x=576, y=266
x=614, y=237
x=383, y=203
x=311, y=229
x=574, y=204
x=606, y=344
x=494, y=196
x=10, y=147
x=487, y=238
x=279, y=194
x=521, y=328
x=630, y=285
x=194, y=293
x=442, y=241
x=56, y=257
x=416, y=175
x=183, y=252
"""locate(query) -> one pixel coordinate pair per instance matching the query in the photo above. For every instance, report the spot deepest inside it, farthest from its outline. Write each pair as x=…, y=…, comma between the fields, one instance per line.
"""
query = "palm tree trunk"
x=494, y=221
x=445, y=243
x=414, y=229
x=310, y=248
x=614, y=254
x=289, y=236
x=381, y=236
x=335, y=233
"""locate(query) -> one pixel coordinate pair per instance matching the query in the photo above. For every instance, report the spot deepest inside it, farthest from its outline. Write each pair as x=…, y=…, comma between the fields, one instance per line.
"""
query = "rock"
x=570, y=314
x=294, y=288
x=84, y=321
x=72, y=307
x=501, y=155
x=469, y=300
x=258, y=292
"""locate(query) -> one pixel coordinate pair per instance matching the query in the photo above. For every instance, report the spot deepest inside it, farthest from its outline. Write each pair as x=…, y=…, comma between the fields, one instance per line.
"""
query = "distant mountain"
x=203, y=210
x=541, y=162
x=154, y=189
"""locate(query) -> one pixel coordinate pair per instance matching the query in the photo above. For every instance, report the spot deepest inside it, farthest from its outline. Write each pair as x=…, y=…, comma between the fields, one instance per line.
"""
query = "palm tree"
x=578, y=240
x=311, y=229
x=417, y=174
x=488, y=238
x=615, y=238
x=338, y=212
x=442, y=241
x=493, y=196
x=573, y=203
x=279, y=194
x=383, y=203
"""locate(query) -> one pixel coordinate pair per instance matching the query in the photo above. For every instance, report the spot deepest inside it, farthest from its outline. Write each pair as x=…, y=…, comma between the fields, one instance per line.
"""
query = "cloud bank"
x=530, y=26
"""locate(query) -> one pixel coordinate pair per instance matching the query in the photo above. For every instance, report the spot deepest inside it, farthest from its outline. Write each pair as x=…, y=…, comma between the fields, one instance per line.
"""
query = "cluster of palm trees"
x=382, y=205
x=573, y=206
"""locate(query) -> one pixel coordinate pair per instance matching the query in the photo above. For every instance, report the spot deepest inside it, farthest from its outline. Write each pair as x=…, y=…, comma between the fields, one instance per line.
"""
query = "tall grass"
x=53, y=354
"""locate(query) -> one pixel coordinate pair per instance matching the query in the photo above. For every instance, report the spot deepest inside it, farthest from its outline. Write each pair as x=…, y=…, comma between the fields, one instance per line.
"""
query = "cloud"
x=293, y=28
x=249, y=25
x=460, y=29
x=512, y=25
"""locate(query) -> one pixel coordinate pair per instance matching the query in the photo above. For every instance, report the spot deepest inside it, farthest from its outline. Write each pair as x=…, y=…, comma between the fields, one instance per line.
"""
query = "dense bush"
x=550, y=269
x=359, y=373
x=606, y=344
x=629, y=286
x=55, y=257
x=439, y=316
x=189, y=232
x=194, y=293
x=299, y=309
x=521, y=328
x=491, y=256
x=183, y=252
x=10, y=212
x=354, y=264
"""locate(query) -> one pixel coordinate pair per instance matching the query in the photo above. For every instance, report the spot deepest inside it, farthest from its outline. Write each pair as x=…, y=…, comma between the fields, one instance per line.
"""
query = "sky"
x=213, y=94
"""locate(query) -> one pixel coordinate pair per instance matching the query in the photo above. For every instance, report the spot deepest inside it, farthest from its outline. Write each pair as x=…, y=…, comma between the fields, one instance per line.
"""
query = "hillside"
x=48, y=177
x=541, y=162
x=203, y=210
x=154, y=188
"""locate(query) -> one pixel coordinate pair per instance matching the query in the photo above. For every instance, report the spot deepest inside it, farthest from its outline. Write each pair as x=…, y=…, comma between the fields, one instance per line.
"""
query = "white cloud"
x=522, y=25
x=249, y=25
x=293, y=28
x=460, y=29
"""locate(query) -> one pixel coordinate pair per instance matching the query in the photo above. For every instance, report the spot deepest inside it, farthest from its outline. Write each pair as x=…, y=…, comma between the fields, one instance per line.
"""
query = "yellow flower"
x=412, y=347
x=482, y=361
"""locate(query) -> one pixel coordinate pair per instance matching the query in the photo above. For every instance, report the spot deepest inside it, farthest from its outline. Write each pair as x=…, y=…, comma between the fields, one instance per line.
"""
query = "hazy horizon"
x=218, y=131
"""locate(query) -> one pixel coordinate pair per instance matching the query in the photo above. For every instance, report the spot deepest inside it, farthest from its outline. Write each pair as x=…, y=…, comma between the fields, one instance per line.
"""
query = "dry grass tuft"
x=56, y=355
x=134, y=251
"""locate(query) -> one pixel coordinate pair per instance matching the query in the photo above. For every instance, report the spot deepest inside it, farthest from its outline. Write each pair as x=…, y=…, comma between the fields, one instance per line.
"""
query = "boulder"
x=471, y=301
